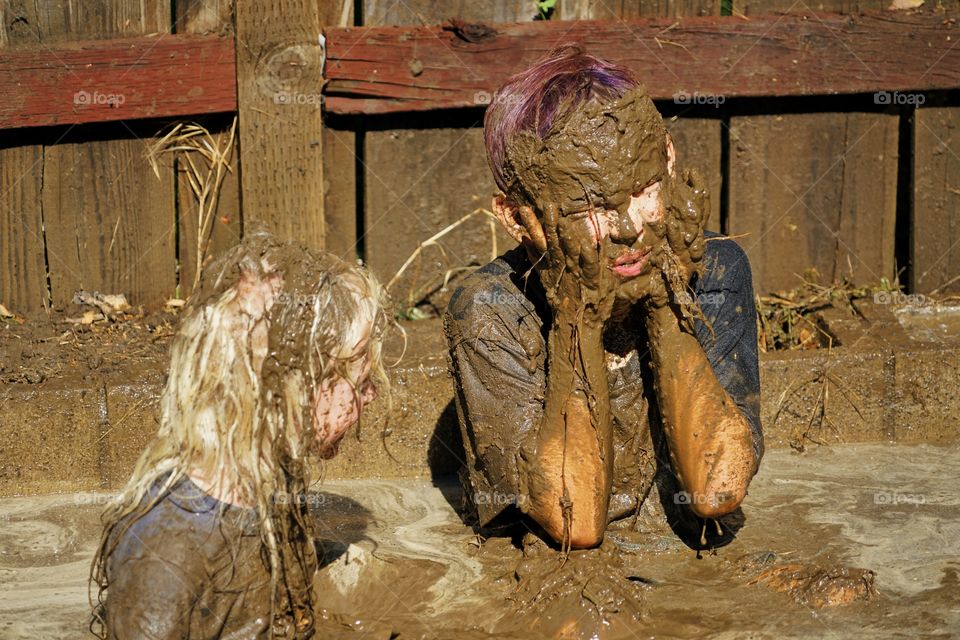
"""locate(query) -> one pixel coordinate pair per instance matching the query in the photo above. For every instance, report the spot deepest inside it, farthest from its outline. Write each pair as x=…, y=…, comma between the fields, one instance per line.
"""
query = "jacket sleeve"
x=497, y=356
x=725, y=294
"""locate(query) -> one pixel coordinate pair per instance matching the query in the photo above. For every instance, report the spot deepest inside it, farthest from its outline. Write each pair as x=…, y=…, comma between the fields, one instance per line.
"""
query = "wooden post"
x=279, y=79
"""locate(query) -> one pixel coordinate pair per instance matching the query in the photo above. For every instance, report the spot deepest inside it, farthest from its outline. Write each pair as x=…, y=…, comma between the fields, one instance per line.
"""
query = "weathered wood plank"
x=106, y=80
x=198, y=17
x=814, y=190
x=109, y=221
x=768, y=7
x=340, y=192
x=379, y=70
x=23, y=272
x=340, y=164
x=31, y=23
x=417, y=183
x=619, y=9
x=936, y=200
x=417, y=12
x=279, y=77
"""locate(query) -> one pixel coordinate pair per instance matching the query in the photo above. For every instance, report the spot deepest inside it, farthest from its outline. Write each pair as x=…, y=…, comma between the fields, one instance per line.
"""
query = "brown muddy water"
x=401, y=563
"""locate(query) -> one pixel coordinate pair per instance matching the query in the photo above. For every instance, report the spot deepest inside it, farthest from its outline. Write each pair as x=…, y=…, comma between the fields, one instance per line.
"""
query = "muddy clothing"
x=190, y=568
x=497, y=324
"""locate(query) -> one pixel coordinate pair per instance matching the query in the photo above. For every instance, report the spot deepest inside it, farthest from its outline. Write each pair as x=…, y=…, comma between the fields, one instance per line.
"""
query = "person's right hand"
x=576, y=273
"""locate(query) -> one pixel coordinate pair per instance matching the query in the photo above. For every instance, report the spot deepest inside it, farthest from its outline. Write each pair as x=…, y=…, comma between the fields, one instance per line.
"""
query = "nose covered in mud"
x=624, y=233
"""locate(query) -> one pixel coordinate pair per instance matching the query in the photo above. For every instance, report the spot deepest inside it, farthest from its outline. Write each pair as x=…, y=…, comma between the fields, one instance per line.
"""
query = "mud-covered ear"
x=671, y=155
x=508, y=213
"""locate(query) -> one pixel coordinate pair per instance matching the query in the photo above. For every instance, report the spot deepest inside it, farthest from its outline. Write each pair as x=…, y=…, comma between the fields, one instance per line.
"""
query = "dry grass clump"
x=788, y=320
x=205, y=161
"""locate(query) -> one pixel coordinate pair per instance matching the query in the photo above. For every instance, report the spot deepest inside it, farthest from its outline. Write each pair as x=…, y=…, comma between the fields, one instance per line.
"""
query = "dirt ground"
x=40, y=348
x=401, y=563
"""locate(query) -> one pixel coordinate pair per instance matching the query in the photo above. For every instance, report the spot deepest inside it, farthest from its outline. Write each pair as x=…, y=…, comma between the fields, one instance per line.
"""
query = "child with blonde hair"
x=276, y=356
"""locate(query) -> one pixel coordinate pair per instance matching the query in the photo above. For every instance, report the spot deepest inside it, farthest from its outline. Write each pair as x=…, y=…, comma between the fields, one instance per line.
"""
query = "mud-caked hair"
x=268, y=325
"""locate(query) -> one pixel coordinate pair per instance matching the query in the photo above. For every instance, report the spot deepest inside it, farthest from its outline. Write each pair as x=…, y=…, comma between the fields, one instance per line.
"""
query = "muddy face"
x=338, y=405
x=605, y=168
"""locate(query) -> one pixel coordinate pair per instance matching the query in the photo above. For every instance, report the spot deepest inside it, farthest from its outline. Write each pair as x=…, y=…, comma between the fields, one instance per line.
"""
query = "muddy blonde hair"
x=269, y=323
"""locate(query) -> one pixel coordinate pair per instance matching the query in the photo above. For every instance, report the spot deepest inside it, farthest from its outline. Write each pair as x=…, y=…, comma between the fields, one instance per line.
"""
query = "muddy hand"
x=677, y=241
x=577, y=273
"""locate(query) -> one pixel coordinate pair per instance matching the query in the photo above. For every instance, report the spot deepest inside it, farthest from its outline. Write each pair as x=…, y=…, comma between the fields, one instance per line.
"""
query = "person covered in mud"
x=275, y=357
x=616, y=313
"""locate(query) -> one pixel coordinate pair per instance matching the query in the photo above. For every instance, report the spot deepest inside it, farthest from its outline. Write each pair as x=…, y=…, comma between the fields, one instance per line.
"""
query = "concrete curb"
x=82, y=435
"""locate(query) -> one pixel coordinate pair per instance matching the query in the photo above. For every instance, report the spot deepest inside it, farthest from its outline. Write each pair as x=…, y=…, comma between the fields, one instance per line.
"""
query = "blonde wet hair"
x=269, y=324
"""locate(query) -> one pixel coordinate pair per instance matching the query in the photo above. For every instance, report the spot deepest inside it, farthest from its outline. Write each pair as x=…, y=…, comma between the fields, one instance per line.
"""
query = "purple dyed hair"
x=533, y=99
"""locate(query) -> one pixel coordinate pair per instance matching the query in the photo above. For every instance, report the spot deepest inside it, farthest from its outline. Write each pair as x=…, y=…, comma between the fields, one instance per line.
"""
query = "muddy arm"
x=569, y=478
x=709, y=439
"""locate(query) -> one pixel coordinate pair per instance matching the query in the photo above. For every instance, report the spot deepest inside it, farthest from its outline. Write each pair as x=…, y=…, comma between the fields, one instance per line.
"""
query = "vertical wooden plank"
x=23, y=279
x=767, y=7
x=623, y=9
x=697, y=141
x=936, y=200
x=814, y=190
x=279, y=77
x=340, y=163
x=29, y=23
x=23, y=273
x=204, y=17
x=419, y=181
x=340, y=191
x=108, y=220
x=410, y=12
x=799, y=184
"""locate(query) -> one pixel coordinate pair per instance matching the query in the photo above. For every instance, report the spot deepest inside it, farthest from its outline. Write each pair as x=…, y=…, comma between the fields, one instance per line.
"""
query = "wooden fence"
x=860, y=184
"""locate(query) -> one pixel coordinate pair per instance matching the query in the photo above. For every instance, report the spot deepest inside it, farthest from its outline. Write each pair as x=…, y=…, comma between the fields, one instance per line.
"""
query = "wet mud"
x=400, y=563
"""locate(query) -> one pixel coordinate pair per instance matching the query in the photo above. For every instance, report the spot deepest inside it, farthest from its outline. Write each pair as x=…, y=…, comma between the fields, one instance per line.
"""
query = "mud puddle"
x=399, y=562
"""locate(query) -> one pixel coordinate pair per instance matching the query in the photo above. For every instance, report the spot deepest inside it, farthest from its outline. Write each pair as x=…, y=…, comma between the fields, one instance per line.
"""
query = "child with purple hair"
x=617, y=343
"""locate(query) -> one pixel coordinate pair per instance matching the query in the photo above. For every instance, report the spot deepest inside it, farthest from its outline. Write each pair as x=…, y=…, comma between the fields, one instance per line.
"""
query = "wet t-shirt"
x=189, y=568
x=496, y=326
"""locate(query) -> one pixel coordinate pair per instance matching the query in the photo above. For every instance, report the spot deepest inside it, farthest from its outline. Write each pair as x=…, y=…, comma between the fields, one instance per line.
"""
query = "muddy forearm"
x=709, y=439
x=574, y=460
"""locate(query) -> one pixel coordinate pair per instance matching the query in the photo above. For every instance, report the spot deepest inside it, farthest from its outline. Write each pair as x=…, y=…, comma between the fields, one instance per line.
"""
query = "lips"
x=631, y=263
